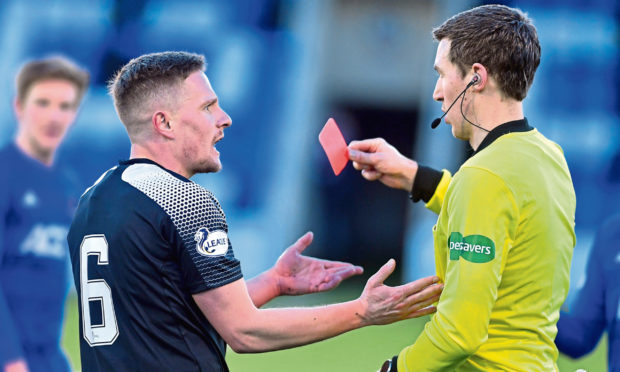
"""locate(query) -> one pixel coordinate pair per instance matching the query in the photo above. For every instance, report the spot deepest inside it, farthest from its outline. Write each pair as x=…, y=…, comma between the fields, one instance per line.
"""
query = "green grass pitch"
x=361, y=350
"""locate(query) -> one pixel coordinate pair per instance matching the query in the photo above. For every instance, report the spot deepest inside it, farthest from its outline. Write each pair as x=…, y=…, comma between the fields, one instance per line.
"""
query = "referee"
x=505, y=234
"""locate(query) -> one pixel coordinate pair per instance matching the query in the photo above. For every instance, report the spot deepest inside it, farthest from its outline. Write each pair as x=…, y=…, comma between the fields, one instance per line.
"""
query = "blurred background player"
x=597, y=306
x=37, y=201
x=504, y=237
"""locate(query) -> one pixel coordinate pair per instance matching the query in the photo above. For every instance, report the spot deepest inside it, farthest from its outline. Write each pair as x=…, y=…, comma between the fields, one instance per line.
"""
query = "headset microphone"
x=473, y=81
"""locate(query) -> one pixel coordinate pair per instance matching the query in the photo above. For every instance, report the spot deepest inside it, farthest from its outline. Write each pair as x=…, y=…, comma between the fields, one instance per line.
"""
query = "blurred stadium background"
x=281, y=68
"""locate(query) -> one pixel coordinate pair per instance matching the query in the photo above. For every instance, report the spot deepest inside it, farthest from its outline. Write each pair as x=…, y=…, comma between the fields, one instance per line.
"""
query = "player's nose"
x=56, y=115
x=224, y=120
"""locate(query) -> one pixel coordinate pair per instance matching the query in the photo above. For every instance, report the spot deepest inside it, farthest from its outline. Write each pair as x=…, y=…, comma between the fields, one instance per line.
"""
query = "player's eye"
x=66, y=106
x=210, y=105
x=42, y=102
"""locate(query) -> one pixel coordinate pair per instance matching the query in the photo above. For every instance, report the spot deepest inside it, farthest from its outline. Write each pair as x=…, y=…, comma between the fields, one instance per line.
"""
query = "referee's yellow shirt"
x=503, y=246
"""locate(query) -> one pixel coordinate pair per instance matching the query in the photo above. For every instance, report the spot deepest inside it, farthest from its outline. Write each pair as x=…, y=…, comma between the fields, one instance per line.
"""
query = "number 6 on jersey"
x=96, y=290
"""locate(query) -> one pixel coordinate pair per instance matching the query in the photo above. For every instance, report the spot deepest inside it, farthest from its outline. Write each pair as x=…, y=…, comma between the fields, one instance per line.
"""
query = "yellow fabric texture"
x=499, y=311
x=434, y=204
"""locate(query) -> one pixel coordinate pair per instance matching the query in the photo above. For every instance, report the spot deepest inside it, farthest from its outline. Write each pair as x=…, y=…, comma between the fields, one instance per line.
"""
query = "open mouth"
x=216, y=140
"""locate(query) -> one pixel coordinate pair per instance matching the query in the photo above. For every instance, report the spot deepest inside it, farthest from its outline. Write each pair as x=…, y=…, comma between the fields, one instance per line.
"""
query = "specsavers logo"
x=214, y=243
x=473, y=248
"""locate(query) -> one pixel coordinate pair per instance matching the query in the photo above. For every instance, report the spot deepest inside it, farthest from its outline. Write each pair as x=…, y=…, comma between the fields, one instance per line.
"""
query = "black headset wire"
x=462, y=113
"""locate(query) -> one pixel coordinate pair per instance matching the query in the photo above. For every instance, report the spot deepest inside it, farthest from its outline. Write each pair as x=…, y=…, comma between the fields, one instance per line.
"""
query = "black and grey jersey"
x=143, y=240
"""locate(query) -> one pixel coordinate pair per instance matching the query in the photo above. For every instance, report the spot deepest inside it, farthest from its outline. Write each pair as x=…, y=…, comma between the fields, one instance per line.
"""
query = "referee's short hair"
x=502, y=39
x=149, y=79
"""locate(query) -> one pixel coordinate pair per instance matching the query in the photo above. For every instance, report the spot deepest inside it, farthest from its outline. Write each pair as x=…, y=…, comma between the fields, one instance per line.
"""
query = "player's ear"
x=17, y=107
x=161, y=121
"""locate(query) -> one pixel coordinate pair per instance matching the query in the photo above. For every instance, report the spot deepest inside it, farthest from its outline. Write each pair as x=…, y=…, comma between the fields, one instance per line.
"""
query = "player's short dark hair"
x=56, y=67
x=147, y=77
x=502, y=39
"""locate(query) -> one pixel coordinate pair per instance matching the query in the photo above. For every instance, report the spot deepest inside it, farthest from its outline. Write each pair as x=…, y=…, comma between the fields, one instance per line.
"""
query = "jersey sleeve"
x=10, y=344
x=581, y=327
x=434, y=204
x=206, y=254
x=479, y=231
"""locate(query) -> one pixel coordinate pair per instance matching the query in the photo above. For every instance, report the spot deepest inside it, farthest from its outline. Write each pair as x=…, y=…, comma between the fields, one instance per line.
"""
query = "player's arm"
x=483, y=211
x=378, y=160
x=247, y=329
x=296, y=274
x=580, y=328
x=11, y=354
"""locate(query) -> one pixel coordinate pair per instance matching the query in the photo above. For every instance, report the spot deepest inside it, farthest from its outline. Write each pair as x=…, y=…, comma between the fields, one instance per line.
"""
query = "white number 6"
x=96, y=290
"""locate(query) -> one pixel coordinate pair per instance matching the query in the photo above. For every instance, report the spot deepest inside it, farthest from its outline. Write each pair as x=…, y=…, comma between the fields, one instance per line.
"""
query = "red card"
x=334, y=145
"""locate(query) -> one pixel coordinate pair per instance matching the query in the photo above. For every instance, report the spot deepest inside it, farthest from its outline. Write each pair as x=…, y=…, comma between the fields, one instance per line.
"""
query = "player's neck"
x=162, y=157
x=31, y=149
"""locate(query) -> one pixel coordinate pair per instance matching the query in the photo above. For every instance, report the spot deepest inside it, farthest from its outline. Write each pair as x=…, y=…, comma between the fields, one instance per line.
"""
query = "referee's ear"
x=162, y=124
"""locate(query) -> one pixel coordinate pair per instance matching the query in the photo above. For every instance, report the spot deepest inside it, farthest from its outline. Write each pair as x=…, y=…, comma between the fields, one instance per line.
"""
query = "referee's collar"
x=509, y=127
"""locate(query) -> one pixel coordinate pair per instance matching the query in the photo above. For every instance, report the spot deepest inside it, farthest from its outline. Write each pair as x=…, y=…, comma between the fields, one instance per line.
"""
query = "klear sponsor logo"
x=211, y=243
x=473, y=248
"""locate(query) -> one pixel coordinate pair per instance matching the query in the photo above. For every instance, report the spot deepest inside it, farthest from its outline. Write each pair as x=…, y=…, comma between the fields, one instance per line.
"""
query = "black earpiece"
x=474, y=80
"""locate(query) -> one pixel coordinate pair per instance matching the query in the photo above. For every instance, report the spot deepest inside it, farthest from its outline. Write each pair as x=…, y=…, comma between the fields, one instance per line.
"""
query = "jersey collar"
x=149, y=161
x=509, y=127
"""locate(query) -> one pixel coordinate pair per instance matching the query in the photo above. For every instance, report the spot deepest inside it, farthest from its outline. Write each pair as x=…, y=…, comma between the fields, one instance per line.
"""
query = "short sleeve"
x=206, y=255
x=204, y=251
x=434, y=204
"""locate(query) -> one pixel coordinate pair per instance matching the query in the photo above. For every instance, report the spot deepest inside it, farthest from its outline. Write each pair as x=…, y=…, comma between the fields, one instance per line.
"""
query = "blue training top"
x=597, y=305
x=36, y=205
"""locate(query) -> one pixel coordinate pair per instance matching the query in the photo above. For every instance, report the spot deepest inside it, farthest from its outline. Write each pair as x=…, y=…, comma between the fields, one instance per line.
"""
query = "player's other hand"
x=16, y=366
x=296, y=274
x=378, y=160
x=382, y=304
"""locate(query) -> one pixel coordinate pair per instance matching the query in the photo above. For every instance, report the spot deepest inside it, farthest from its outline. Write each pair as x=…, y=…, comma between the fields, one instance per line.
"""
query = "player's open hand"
x=378, y=160
x=385, y=305
x=297, y=274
